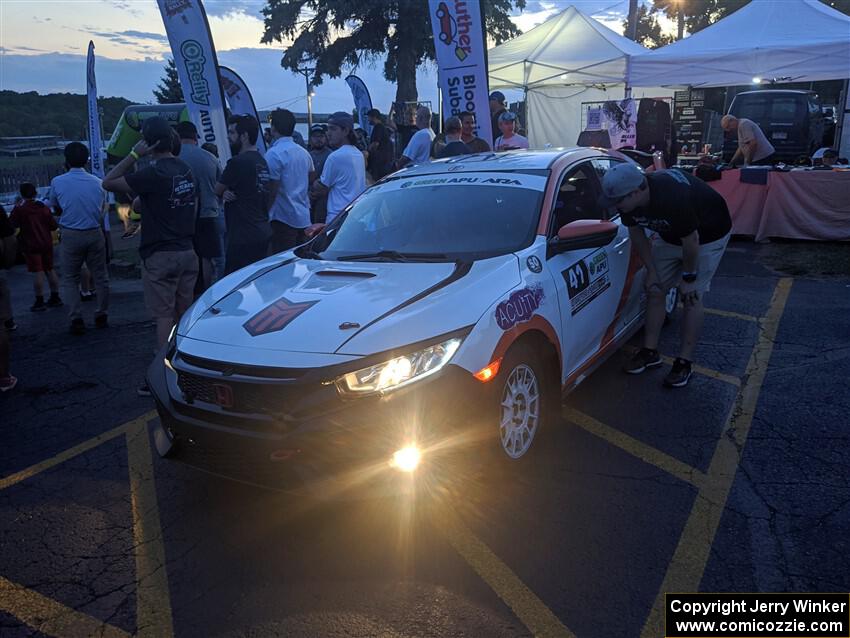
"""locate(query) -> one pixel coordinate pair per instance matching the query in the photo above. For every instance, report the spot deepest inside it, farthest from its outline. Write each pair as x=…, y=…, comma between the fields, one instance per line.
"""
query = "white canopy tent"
x=569, y=59
x=791, y=40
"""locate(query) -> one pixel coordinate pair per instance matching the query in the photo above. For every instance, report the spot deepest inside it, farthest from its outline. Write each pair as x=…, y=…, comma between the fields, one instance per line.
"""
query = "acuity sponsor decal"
x=519, y=307
x=275, y=316
x=587, y=279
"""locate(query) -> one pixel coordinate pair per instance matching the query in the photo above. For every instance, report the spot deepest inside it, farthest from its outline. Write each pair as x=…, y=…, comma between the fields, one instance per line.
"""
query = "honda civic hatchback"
x=451, y=304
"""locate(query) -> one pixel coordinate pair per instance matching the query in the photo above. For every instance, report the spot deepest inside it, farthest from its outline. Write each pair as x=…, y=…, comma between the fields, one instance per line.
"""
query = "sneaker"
x=39, y=305
x=54, y=301
x=144, y=390
x=10, y=325
x=101, y=321
x=679, y=376
x=643, y=359
x=8, y=383
x=78, y=327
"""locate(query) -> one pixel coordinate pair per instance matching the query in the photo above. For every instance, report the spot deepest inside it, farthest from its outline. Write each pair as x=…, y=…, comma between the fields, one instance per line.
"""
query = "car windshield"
x=444, y=217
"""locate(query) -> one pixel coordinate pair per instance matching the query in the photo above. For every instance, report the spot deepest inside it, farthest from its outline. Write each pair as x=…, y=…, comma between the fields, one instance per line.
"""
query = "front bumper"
x=288, y=428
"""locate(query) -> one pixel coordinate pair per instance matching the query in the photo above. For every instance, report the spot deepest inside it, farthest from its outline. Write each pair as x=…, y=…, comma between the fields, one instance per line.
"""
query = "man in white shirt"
x=418, y=150
x=509, y=140
x=344, y=174
x=290, y=166
x=753, y=146
x=79, y=199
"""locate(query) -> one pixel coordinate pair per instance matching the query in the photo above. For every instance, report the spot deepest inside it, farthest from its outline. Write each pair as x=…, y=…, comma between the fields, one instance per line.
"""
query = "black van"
x=792, y=121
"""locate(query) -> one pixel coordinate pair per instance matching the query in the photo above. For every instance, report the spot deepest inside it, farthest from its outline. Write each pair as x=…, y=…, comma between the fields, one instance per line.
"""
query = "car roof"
x=507, y=161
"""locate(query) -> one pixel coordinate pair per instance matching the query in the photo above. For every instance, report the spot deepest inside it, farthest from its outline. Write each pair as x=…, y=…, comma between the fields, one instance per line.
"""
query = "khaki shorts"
x=169, y=282
x=668, y=262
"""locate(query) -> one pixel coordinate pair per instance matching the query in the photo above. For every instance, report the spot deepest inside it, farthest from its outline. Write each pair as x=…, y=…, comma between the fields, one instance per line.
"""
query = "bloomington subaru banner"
x=459, y=41
x=239, y=99
x=362, y=101
x=194, y=54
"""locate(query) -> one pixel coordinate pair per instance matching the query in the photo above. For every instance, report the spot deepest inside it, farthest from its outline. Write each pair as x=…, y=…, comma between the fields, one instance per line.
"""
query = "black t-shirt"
x=679, y=204
x=382, y=156
x=169, y=207
x=454, y=148
x=247, y=218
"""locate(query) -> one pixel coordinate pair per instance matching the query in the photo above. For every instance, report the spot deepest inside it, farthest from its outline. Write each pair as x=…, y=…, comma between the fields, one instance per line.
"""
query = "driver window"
x=602, y=164
x=577, y=197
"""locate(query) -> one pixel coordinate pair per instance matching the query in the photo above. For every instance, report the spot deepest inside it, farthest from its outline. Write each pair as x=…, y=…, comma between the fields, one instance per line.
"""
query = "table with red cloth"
x=793, y=204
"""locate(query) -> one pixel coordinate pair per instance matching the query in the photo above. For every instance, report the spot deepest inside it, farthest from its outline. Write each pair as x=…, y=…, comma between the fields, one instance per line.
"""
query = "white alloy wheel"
x=520, y=411
x=671, y=300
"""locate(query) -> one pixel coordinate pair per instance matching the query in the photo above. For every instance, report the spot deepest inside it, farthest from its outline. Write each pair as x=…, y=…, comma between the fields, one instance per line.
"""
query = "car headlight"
x=400, y=371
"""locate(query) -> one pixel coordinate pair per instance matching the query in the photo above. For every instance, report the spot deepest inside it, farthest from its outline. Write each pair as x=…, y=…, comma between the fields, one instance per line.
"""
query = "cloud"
x=260, y=68
x=144, y=35
x=220, y=8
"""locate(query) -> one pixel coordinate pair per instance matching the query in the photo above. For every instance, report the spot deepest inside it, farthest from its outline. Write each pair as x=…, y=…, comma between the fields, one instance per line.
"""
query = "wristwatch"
x=689, y=277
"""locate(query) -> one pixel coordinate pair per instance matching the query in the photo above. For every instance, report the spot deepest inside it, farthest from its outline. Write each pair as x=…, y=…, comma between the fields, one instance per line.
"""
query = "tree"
x=169, y=90
x=329, y=35
x=648, y=29
x=698, y=14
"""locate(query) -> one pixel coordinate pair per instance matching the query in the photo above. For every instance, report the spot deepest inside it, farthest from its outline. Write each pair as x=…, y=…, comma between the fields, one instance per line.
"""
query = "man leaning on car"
x=693, y=225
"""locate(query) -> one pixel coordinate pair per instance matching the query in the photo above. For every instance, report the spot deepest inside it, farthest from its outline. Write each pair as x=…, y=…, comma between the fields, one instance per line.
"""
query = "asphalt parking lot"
x=738, y=482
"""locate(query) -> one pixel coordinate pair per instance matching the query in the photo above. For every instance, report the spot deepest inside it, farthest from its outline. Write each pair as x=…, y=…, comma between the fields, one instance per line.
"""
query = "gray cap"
x=620, y=180
x=342, y=119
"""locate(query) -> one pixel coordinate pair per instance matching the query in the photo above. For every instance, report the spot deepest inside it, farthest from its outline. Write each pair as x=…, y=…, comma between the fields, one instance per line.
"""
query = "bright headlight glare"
x=399, y=372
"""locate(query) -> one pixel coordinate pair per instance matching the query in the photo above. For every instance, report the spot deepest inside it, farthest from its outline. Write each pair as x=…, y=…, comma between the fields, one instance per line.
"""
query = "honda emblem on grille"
x=223, y=395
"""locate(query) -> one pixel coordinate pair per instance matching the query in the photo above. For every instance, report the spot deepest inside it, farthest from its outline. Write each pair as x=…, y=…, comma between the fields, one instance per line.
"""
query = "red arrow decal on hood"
x=275, y=317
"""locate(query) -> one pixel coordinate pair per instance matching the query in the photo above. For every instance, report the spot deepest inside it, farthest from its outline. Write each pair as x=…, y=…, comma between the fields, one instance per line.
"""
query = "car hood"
x=307, y=305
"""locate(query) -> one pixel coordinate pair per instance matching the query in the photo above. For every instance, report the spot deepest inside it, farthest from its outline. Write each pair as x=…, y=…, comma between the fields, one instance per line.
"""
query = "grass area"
x=29, y=161
x=807, y=259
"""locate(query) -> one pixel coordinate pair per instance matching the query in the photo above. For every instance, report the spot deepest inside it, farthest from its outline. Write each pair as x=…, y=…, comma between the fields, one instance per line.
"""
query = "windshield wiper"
x=394, y=255
x=307, y=252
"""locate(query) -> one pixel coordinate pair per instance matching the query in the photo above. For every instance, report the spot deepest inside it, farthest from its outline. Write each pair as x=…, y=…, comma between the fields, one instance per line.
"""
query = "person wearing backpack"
x=36, y=224
x=8, y=251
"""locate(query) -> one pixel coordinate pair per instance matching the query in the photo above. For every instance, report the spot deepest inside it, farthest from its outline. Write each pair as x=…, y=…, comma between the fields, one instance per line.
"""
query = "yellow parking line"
x=50, y=617
x=533, y=613
x=731, y=315
x=706, y=372
x=689, y=560
x=644, y=452
x=68, y=454
x=153, y=602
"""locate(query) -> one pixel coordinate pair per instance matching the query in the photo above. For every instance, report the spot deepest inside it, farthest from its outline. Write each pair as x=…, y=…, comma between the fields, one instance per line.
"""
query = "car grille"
x=247, y=398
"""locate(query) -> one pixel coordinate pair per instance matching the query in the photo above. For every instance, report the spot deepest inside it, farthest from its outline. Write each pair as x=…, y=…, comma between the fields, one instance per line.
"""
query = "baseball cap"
x=156, y=130
x=318, y=128
x=620, y=180
x=342, y=119
x=498, y=96
x=507, y=116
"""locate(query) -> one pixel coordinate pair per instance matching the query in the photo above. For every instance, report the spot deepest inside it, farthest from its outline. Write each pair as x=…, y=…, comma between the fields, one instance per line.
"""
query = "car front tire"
x=522, y=395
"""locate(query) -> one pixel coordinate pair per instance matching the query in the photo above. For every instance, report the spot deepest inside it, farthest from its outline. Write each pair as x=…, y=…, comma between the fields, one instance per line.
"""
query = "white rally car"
x=458, y=297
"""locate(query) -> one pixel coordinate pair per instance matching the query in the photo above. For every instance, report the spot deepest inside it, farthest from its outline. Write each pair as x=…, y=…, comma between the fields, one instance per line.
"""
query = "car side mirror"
x=584, y=233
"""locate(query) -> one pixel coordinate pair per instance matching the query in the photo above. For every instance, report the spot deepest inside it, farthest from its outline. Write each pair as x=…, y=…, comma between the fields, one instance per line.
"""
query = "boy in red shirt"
x=36, y=223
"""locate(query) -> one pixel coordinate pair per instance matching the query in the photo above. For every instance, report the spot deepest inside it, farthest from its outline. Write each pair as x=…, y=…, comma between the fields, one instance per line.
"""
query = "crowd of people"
x=200, y=221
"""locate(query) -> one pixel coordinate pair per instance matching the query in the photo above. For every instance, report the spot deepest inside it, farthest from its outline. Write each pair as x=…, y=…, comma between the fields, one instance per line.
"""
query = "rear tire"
x=671, y=300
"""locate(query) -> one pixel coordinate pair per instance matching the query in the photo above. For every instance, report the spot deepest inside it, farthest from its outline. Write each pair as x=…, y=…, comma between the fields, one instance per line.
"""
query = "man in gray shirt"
x=207, y=171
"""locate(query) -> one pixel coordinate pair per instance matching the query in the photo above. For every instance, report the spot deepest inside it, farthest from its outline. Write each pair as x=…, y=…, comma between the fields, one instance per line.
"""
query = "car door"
x=589, y=281
x=634, y=299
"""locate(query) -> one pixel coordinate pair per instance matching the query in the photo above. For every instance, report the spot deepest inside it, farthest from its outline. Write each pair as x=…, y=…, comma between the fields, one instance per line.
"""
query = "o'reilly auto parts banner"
x=462, y=64
x=194, y=55
x=95, y=143
x=362, y=101
x=239, y=99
